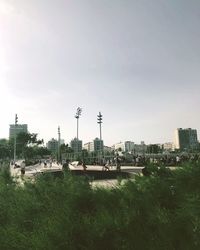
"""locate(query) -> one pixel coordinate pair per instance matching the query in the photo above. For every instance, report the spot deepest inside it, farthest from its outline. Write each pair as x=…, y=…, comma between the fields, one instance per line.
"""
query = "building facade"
x=87, y=146
x=76, y=145
x=127, y=146
x=14, y=130
x=140, y=149
x=168, y=147
x=52, y=145
x=96, y=145
x=185, y=139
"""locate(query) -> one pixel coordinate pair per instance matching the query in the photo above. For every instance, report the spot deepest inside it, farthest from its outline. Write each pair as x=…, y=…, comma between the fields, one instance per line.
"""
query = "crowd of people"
x=143, y=160
x=167, y=160
x=118, y=161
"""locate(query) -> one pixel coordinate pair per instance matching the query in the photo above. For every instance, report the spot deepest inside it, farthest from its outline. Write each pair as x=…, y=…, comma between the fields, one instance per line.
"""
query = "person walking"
x=118, y=165
x=22, y=168
x=84, y=166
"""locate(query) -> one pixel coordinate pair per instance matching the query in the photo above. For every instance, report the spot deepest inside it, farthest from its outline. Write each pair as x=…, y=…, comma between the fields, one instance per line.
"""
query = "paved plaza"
x=31, y=171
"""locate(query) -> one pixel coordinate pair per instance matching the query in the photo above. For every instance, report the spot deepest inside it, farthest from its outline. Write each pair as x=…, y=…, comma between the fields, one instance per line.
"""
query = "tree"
x=26, y=143
x=36, y=152
x=153, y=149
x=65, y=150
x=5, y=150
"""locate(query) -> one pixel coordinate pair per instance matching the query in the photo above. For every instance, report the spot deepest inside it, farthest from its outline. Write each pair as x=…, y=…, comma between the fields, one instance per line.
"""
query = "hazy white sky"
x=136, y=61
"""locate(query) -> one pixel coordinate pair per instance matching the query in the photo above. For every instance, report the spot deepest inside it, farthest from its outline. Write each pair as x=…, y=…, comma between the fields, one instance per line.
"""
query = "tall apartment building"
x=52, y=145
x=14, y=130
x=185, y=139
x=96, y=145
x=76, y=145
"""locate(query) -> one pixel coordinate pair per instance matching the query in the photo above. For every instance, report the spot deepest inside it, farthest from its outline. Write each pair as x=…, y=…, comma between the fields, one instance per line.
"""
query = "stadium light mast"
x=15, y=137
x=59, y=155
x=99, y=121
x=77, y=116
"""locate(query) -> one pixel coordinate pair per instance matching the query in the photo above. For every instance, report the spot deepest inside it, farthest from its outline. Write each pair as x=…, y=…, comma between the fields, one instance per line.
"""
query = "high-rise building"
x=185, y=139
x=76, y=145
x=52, y=145
x=14, y=130
x=96, y=145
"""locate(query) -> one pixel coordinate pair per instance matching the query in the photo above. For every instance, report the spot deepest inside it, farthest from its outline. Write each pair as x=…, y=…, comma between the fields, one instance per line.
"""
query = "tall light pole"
x=99, y=121
x=59, y=143
x=77, y=116
x=15, y=137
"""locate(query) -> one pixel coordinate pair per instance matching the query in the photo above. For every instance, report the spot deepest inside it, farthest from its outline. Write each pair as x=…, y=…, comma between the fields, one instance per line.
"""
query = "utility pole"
x=15, y=138
x=59, y=155
x=99, y=121
x=77, y=116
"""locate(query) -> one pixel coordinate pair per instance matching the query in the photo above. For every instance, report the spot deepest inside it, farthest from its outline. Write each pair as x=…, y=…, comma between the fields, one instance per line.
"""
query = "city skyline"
x=137, y=62
x=88, y=140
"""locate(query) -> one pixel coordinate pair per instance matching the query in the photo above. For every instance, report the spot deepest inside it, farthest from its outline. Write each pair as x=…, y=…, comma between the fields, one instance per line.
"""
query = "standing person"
x=84, y=166
x=45, y=163
x=106, y=166
x=118, y=166
x=66, y=165
x=23, y=168
x=178, y=160
x=134, y=160
x=137, y=160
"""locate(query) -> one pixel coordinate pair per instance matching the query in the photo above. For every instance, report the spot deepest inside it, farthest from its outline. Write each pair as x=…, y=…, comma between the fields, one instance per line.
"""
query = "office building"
x=96, y=145
x=127, y=146
x=52, y=145
x=76, y=145
x=186, y=139
x=14, y=130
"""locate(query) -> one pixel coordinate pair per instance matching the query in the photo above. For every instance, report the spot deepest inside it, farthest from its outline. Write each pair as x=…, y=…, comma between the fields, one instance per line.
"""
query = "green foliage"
x=153, y=149
x=5, y=150
x=28, y=146
x=159, y=211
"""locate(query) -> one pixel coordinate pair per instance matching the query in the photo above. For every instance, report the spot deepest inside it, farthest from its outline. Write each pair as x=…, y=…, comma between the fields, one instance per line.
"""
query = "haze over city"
x=135, y=61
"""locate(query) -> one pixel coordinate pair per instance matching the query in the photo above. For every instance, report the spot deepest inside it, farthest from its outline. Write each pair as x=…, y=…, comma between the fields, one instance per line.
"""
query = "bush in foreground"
x=161, y=211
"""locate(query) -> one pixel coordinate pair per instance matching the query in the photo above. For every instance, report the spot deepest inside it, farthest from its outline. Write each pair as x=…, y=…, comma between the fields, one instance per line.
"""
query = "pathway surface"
x=30, y=172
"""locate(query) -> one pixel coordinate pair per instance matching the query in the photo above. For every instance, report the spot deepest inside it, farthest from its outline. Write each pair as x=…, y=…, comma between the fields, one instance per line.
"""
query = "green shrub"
x=160, y=211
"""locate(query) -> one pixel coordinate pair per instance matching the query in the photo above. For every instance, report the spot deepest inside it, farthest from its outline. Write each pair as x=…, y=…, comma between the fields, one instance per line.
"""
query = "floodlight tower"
x=59, y=143
x=15, y=137
x=99, y=121
x=77, y=116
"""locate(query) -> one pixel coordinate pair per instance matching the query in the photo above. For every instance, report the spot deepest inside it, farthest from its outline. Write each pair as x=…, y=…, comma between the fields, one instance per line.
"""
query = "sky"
x=136, y=61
